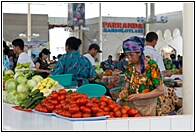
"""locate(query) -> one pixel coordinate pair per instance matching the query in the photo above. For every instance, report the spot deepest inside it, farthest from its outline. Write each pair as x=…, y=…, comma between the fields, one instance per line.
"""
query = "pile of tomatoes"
x=77, y=105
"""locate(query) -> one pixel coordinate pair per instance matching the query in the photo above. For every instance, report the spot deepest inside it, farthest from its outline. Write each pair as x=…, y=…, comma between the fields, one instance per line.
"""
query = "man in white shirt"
x=92, y=52
x=18, y=47
x=149, y=50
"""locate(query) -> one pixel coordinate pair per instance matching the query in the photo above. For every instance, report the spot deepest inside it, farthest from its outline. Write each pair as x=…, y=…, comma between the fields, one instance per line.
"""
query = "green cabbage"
x=37, y=78
x=5, y=96
x=10, y=96
x=23, y=88
x=31, y=84
x=21, y=79
x=17, y=74
x=19, y=97
x=10, y=84
x=8, y=72
x=97, y=65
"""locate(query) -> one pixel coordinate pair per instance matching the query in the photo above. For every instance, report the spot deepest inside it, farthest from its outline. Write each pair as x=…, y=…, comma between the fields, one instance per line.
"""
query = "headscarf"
x=135, y=44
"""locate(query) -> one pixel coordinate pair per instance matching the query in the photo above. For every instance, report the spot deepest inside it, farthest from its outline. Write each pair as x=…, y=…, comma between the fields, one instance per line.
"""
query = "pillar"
x=152, y=14
x=146, y=25
x=188, y=56
x=29, y=24
x=100, y=33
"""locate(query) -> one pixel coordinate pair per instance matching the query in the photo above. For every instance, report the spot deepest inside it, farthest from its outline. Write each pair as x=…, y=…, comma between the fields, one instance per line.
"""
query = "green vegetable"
x=23, y=88
x=34, y=92
x=5, y=96
x=17, y=74
x=21, y=79
x=37, y=78
x=30, y=104
x=10, y=96
x=99, y=70
x=19, y=98
x=8, y=72
x=39, y=98
x=10, y=84
x=39, y=94
x=31, y=84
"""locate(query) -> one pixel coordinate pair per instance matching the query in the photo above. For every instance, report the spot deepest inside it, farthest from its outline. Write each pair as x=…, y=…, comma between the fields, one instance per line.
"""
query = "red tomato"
x=81, y=101
x=137, y=115
x=55, y=95
x=55, y=102
x=77, y=115
x=100, y=113
x=62, y=92
x=49, y=98
x=95, y=109
x=43, y=109
x=116, y=109
x=126, y=107
x=132, y=112
x=89, y=104
x=57, y=111
x=72, y=101
x=82, y=108
x=106, y=113
x=105, y=99
x=50, y=106
x=65, y=107
x=62, y=101
x=148, y=115
x=87, y=110
x=117, y=113
x=61, y=97
x=102, y=103
x=106, y=109
x=94, y=99
x=86, y=115
x=123, y=110
x=112, y=106
x=101, y=106
x=58, y=106
x=125, y=115
x=66, y=113
x=73, y=109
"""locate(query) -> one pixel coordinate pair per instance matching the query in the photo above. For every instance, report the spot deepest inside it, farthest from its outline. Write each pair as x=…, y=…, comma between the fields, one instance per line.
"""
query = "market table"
x=19, y=120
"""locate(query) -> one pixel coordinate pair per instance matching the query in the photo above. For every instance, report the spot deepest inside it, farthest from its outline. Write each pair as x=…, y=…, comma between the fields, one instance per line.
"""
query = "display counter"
x=20, y=120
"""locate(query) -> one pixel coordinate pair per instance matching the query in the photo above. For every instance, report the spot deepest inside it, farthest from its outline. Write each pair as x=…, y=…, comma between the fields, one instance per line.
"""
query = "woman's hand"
x=133, y=97
x=122, y=94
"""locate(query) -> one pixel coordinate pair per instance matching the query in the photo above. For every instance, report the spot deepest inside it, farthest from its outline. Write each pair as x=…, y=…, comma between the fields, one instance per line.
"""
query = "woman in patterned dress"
x=143, y=79
x=74, y=63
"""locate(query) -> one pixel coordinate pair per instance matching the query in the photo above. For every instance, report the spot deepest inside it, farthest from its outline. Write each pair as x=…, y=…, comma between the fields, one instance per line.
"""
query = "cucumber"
x=34, y=92
x=29, y=100
x=39, y=98
x=36, y=95
x=30, y=104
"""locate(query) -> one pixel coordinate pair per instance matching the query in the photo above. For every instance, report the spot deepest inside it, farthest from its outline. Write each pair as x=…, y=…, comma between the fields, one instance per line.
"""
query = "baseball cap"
x=46, y=51
x=95, y=46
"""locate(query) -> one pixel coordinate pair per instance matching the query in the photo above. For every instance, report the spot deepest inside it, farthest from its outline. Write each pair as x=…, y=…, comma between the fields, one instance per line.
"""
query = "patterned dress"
x=76, y=64
x=144, y=83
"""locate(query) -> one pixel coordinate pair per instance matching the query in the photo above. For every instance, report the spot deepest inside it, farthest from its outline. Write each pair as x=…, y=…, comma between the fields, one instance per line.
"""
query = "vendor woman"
x=143, y=79
x=74, y=63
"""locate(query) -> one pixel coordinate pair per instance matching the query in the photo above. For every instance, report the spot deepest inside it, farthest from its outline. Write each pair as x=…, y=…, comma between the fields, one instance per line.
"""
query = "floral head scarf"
x=135, y=44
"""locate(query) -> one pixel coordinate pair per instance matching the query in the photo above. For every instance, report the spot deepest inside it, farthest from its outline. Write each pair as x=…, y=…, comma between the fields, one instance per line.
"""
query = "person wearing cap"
x=41, y=64
x=109, y=63
x=92, y=52
x=18, y=48
x=143, y=81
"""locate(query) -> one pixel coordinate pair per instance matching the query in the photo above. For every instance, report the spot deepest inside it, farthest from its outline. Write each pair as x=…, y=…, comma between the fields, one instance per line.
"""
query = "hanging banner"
x=76, y=14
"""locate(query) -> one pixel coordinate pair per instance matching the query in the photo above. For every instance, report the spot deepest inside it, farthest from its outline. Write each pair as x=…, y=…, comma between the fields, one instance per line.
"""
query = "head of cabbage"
x=19, y=97
x=37, y=78
x=11, y=84
x=31, y=84
x=8, y=72
x=21, y=79
x=10, y=96
x=23, y=88
x=17, y=74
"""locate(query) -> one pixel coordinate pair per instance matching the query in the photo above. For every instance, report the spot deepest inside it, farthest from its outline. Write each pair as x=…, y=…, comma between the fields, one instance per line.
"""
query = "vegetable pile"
x=77, y=105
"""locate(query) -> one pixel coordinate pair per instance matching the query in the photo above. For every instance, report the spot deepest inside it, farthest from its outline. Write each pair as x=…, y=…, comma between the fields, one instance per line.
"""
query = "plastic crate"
x=63, y=79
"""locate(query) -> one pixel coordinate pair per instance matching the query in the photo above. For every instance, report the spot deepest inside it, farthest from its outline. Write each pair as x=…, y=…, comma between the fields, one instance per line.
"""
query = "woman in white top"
x=18, y=47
